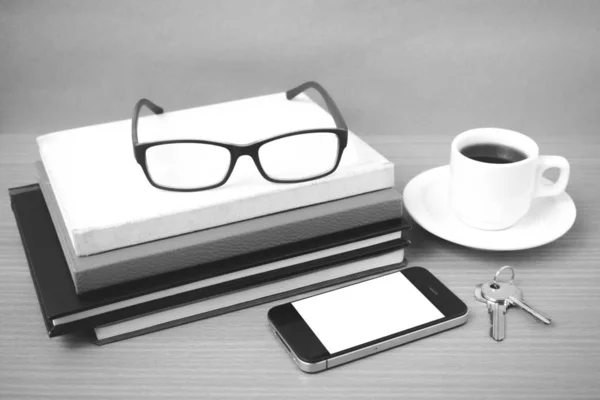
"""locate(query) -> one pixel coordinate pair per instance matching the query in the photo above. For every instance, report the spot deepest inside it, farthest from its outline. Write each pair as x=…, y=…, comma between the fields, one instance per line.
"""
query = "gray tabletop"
x=408, y=76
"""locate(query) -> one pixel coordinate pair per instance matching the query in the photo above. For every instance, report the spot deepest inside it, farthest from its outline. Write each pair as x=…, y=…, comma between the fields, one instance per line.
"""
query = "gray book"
x=178, y=252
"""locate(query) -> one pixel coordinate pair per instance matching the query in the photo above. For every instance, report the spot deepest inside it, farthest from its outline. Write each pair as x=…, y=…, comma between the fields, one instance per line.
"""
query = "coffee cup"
x=496, y=174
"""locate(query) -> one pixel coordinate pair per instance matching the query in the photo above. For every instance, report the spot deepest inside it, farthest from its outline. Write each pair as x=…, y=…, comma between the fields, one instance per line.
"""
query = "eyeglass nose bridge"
x=250, y=150
x=247, y=150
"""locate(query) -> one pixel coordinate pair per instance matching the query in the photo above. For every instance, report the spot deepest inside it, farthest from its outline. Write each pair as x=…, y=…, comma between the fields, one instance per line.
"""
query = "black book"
x=288, y=289
x=64, y=311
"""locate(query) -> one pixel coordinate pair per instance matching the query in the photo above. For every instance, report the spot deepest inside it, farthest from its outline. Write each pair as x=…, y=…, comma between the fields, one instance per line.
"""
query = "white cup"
x=496, y=196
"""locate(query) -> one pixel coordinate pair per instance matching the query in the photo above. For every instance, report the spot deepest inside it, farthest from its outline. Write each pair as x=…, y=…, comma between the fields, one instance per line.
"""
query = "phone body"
x=365, y=318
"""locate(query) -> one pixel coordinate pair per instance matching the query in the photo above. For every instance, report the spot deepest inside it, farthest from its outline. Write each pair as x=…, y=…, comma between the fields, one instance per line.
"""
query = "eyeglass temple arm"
x=331, y=106
x=136, y=114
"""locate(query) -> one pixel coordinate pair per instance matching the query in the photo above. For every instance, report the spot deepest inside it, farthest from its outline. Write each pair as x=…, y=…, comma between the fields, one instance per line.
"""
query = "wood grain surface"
x=408, y=76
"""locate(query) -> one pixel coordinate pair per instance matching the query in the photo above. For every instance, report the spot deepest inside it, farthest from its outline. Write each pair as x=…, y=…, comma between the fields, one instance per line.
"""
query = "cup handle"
x=545, y=162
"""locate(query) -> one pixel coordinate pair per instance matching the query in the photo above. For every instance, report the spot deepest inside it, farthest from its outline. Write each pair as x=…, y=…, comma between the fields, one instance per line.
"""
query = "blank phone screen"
x=367, y=311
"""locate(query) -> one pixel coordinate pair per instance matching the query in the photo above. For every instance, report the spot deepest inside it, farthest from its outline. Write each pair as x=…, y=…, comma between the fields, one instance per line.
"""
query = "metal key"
x=498, y=320
x=516, y=298
x=497, y=308
x=499, y=297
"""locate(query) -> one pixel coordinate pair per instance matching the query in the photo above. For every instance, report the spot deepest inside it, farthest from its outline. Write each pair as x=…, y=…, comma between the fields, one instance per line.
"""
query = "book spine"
x=12, y=193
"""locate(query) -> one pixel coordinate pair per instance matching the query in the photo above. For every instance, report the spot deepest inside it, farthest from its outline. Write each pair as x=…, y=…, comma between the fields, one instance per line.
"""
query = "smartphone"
x=359, y=320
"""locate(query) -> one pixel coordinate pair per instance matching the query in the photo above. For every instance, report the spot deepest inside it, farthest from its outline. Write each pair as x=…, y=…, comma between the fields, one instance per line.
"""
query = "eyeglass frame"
x=237, y=151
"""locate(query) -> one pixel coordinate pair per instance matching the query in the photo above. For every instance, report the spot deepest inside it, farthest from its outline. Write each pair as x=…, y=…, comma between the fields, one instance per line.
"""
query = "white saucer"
x=426, y=198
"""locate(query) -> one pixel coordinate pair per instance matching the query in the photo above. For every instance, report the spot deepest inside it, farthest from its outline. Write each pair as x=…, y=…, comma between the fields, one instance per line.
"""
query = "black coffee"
x=493, y=153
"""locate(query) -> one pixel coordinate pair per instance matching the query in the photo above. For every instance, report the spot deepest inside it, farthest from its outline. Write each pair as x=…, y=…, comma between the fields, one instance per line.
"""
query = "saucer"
x=426, y=198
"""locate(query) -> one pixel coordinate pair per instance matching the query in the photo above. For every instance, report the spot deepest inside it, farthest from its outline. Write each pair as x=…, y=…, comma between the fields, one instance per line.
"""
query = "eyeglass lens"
x=299, y=157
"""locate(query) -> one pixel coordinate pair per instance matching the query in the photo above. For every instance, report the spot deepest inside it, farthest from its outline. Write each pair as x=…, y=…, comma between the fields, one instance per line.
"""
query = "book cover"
x=166, y=255
x=315, y=282
x=107, y=203
x=64, y=311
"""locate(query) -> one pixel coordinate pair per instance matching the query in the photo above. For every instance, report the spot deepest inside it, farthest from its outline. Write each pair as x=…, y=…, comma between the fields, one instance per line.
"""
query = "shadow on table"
x=77, y=340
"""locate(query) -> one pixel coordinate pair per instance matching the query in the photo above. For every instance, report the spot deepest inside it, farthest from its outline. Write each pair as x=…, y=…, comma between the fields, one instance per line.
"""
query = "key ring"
x=512, y=277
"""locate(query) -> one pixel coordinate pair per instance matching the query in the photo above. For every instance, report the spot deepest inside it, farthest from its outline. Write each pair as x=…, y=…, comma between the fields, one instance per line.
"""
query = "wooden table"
x=408, y=76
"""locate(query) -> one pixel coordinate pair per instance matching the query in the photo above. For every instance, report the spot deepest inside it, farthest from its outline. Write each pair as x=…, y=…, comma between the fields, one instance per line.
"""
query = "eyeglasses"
x=194, y=165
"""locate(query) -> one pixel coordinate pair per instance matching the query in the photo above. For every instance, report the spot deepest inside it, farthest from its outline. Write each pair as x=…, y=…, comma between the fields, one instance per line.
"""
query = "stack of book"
x=108, y=251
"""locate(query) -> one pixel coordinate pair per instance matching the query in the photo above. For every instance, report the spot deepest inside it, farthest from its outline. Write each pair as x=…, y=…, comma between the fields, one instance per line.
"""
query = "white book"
x=107, y=203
